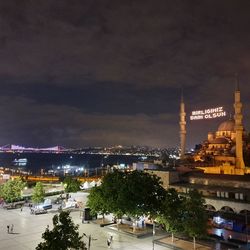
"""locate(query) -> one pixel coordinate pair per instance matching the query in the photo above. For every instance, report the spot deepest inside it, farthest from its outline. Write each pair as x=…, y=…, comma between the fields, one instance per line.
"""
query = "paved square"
x=28, y=230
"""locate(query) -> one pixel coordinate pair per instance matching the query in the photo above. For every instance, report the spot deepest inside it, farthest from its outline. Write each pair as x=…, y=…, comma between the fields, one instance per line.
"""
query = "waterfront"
x=34, y=162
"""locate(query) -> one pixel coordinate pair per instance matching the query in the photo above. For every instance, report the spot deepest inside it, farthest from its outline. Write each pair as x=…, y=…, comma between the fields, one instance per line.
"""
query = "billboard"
x=209, y=113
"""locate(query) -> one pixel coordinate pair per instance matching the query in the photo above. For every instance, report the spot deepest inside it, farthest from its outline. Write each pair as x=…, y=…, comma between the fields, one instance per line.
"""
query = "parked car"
x=37, y=211
x=14, y=205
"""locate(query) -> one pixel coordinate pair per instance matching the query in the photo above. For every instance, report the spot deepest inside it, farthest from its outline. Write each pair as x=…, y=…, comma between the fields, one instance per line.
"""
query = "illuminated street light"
x=89, y=239
x=153, y=235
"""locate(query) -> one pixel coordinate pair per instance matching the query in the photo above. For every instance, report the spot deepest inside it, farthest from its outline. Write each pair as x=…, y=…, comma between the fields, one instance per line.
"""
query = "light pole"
x=153, y=235
x=246, y=228
x=89, y=240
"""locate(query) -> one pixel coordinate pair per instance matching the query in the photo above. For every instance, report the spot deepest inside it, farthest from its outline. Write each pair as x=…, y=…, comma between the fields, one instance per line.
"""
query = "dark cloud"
x=44, y=124
x=105, y=98
x=62, y=63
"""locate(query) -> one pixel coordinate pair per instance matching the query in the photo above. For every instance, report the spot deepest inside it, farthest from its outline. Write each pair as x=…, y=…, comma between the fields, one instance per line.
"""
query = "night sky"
x=98, y=73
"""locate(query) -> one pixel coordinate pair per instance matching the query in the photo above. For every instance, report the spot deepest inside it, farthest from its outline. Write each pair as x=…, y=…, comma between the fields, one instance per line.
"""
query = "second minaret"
x=182, y=128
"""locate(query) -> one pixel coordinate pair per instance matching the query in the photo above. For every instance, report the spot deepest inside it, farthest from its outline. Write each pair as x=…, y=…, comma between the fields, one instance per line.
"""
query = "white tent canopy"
x=92, y=184
x=85, y=185
x=99, y=183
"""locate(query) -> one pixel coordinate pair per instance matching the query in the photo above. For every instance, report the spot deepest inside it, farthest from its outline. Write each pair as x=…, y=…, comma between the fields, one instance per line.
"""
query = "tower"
x=238, y=128
x=182, y=128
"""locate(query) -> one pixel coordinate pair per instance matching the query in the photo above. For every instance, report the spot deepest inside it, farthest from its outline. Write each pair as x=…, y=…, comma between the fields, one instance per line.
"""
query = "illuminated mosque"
x=217, y=169
x=224, y=148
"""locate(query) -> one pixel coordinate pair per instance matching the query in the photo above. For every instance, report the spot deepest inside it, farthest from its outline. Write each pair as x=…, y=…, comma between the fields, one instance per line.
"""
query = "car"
x=40, y=211
x=14, y=205
x=37, y=211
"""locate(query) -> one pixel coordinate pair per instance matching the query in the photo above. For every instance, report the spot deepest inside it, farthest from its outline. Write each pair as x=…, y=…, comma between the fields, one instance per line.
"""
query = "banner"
x=209, y=113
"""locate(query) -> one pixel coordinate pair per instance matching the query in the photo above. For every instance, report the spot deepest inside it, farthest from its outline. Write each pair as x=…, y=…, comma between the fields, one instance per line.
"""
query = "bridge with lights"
x=10, y=148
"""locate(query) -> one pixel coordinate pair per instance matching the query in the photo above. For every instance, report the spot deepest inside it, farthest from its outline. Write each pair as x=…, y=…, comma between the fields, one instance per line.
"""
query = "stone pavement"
x=28, y=230
x=127, y=229
x=180, y=244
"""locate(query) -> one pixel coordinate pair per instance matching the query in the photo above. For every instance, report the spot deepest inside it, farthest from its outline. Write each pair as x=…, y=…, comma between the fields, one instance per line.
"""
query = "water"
x=37, y=161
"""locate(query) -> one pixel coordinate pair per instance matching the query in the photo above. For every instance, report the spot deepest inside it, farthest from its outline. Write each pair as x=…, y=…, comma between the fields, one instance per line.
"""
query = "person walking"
x=222, y=236
x=108, y=242
x=12, y=228
x=8, y=229
x=143, y=223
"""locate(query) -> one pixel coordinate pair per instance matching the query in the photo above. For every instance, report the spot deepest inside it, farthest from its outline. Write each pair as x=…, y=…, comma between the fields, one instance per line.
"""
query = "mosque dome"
x=227, y=125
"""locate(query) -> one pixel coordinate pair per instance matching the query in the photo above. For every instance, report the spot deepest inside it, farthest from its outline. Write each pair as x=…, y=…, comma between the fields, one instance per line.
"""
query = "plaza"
x=28, y=231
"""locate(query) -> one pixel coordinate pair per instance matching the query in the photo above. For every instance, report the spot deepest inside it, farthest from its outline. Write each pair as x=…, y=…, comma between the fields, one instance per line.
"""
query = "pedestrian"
x=143, y=223
x=108, y=243
x=12, y=228
x=8, y=229
x=21, y=208
x=222, y=236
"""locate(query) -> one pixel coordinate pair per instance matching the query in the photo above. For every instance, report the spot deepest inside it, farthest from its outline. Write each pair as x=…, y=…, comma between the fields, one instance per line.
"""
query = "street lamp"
x=246, y=214
x=153, y=235
x=89, y=240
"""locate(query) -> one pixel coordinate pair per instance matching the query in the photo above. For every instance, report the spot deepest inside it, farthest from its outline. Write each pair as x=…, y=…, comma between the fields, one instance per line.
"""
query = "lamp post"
x=89, y=240
x=246, y=228
x=153, y=235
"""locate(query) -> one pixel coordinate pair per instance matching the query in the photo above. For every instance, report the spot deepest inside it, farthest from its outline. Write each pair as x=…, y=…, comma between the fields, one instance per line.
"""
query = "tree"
x=142, y=194
x=96, y=202
x=63, y=236
x=12, y=190
x=164, y=157
x=195, y=218
x=38, y=193
x=71, y=184
x=172, y=212
x=132, y=193
x=112, y=186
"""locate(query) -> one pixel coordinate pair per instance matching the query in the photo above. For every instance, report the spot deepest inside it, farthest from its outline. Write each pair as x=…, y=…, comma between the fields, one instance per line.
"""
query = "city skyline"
x=93, y=73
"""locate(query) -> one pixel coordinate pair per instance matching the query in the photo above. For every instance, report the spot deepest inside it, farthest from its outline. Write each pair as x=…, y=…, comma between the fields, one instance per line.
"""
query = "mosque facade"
x=222, y=152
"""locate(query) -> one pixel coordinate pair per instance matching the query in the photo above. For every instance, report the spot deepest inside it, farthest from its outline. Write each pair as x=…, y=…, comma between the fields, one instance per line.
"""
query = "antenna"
x=237, y=87
x=182, y=98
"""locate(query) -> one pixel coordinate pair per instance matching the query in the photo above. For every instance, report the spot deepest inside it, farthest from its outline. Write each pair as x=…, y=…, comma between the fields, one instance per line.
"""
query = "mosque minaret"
x=182, y=128
x=239, y=162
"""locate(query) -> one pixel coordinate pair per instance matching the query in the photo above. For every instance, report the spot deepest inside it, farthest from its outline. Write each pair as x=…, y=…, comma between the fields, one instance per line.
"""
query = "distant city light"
x=20, y=162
